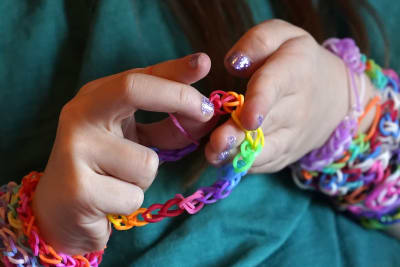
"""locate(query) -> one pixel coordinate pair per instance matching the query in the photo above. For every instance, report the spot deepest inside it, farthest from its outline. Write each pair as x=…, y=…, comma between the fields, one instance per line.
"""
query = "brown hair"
x=213, y=26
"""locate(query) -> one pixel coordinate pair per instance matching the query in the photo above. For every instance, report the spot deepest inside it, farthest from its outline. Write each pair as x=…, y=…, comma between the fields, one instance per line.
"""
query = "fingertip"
x=200, y=63
x=210, y=154
x=252, y=122
x=222, y=142
x=188, y=69
x=218, y=158
x=216, y=141
x=207, y=109
x=251, y=116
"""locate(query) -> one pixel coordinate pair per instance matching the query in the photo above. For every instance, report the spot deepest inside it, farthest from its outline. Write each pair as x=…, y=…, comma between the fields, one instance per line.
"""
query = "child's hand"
x=99, y=164
x=298, y=93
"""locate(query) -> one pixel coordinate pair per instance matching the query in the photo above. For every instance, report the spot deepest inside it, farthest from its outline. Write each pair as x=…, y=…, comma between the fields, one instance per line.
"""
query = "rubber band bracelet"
x=21, y=244
x=21, y=241
x=365, y=179
x=231, y=174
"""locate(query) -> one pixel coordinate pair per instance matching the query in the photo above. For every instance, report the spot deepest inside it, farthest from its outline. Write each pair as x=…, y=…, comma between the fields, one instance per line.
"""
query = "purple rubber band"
x=177, y=154
x=341, y=138
x=174, y=154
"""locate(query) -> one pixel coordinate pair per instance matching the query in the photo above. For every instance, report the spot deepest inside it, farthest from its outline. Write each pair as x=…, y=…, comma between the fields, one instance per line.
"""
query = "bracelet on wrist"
x=364, y=178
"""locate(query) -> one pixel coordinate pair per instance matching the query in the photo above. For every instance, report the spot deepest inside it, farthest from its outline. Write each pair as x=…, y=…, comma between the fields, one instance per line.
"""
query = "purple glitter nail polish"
x=194, y=60
x=260, y=120
x=231, y=142
x=207, y=107
x=239, y=62
x=229, y=145
x=223, y=155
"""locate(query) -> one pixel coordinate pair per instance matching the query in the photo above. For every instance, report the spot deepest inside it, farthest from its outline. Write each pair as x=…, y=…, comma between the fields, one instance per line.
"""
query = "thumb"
x=255, y=55
x=257, y=44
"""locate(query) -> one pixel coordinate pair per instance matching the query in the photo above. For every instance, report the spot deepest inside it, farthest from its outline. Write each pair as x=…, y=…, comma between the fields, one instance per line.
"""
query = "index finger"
x=119, y=98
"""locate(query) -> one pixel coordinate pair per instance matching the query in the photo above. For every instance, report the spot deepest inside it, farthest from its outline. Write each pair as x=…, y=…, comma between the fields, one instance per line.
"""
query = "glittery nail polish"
x=224, y=155
x=260, y=120
x=229, y=145
x=231, y=142
x=194, y=60
x=207, y=107
x=239, y=61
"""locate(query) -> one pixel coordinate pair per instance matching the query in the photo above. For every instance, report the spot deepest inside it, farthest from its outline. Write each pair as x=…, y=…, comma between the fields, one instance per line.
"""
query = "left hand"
x=298, y=93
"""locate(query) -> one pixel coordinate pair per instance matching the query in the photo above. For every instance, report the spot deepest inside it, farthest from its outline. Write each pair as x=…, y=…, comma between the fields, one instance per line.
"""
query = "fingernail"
x=231, y=142
x=260, y=120
x=239, y=61
x=207, y=107
x=194, y=60
x=224, y=155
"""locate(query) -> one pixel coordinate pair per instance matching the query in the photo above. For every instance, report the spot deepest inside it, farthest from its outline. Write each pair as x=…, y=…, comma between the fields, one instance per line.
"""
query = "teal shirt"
x=49, y=49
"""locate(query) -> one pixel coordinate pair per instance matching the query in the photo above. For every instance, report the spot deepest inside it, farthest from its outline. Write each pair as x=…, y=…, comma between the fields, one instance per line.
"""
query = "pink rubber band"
x=179, y=126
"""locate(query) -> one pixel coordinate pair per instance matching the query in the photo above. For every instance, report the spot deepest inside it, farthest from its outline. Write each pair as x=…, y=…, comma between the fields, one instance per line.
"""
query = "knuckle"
x=283, y=24
x=279, y=22
x=67, y=112
x=69, y=138
x=259, y=37
x=130, y=86
x=184, y=96
x=74, y=112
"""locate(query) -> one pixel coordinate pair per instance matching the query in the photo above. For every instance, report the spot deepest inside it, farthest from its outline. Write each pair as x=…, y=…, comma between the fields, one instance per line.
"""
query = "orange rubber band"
x=356, y=196
x=307, y=175
x=80, y=257
x=130, y=221
x=345, y=158
x=50, y=261
x=374, y=124
x=368, y=108
x=134, y=217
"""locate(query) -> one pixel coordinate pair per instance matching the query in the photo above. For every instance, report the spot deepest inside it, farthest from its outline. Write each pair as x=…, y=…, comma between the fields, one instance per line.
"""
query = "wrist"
x=364, y=178
x=21, y=237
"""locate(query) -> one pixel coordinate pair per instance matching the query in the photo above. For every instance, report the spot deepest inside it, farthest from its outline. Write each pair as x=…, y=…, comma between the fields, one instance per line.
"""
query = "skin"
x=100, y=162
x=300, y=89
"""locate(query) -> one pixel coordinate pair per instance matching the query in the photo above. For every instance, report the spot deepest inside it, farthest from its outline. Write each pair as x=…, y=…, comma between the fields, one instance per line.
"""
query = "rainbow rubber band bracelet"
x=231, y=174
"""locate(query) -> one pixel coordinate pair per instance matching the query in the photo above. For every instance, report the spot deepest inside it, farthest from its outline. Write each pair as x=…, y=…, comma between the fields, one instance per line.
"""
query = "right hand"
x=100, y=164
